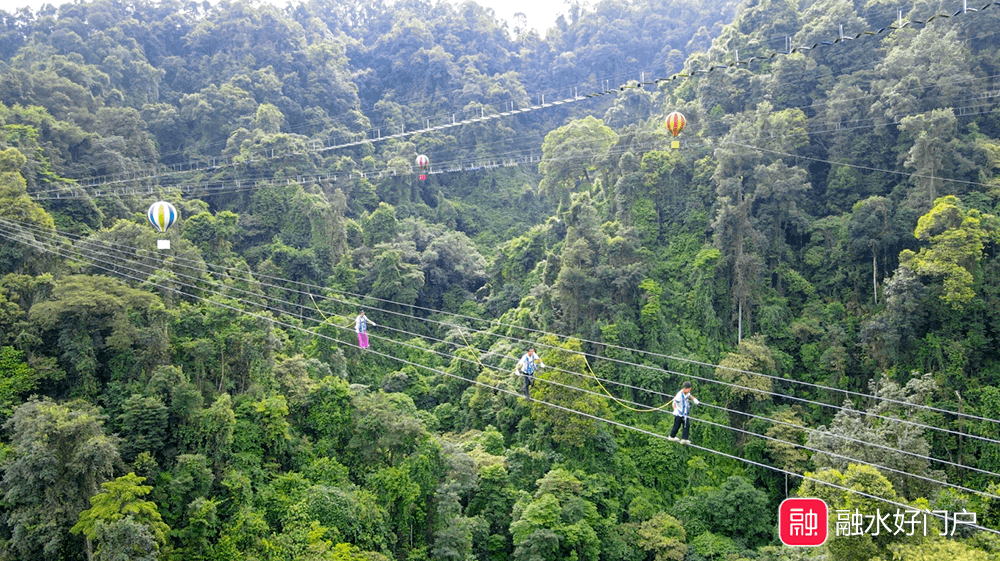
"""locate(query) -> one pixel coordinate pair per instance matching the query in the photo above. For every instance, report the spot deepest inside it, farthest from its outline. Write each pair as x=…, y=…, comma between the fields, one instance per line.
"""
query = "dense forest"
x=819, y=256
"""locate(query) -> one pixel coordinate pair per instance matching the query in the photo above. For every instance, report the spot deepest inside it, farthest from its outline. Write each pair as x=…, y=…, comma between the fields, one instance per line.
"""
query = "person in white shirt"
x=526, y=368
x=682, y=406
x=361, y=324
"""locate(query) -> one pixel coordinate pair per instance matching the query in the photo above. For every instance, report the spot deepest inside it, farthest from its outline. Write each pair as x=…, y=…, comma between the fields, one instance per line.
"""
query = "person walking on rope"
x=361, y=324
x=682, y=406
x=526, y=368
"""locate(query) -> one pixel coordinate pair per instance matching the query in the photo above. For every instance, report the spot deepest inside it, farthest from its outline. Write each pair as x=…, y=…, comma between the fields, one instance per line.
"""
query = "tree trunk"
x=739, y=322
x=875, y=275
x=933, y=190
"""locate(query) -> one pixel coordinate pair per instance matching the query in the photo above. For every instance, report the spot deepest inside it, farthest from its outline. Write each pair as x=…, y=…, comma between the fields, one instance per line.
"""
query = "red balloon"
x=675, y=123
x=422, y=163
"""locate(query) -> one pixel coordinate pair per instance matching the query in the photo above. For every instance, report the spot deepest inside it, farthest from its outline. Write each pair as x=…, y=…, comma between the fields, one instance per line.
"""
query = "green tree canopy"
x=955, y=238
x=121, y=499
x=60, y=455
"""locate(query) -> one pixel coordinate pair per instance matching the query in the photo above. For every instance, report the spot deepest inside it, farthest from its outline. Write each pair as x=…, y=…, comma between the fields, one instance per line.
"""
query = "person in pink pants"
x=361, y=324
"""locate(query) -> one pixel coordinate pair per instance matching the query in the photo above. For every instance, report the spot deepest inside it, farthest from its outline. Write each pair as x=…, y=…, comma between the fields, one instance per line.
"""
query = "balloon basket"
x=675, y=144
x=162, y=244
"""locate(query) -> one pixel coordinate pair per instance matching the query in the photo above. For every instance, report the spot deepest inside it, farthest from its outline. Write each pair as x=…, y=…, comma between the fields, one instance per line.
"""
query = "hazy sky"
x=540, y=14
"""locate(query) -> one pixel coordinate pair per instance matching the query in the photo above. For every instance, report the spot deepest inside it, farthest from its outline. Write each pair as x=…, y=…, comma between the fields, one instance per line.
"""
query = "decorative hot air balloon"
x=675, y=124
x=422, y=163
x=162, y=215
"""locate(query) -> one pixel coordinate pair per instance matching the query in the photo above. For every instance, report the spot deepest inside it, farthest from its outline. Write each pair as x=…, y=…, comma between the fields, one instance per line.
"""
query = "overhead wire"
x=689, y=361
x=321, y=293
x=650, y=353
x=99, y=253
x=866, y=168
x=640, y=408
x=239, y=181
x=8, y=234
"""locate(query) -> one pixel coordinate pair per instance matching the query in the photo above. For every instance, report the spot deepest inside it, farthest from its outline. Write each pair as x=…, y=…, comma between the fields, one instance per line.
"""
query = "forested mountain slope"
x=819, y=255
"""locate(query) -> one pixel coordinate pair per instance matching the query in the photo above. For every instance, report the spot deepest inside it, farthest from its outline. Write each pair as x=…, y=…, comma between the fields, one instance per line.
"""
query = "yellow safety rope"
x=325, y=317
x=475, y=354
x=618, y=401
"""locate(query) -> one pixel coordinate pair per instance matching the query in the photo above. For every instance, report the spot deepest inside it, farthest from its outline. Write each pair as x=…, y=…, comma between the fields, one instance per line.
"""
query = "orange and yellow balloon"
x=675, y=123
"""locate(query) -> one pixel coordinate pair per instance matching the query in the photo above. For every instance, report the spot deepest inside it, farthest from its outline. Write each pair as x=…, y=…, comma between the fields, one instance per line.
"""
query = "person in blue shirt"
x=682, y=406
x=526, y=368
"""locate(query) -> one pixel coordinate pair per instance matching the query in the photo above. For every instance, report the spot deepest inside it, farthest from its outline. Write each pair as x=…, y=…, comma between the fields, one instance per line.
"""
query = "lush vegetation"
x=830, y=218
